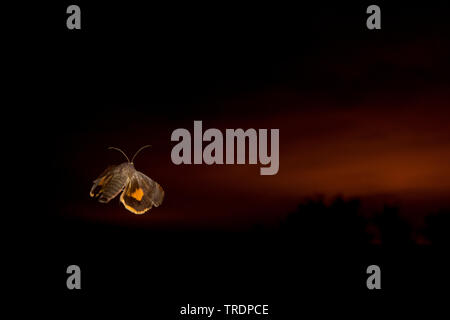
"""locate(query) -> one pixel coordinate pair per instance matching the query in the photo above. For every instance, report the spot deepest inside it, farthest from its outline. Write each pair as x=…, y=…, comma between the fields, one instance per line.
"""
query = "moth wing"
x=101, y=181
x=141, y=194
x=109, y=184
x=156, y=193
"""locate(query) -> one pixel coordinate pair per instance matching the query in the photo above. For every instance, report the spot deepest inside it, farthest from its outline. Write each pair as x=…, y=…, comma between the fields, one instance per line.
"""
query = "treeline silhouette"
x=342, y=223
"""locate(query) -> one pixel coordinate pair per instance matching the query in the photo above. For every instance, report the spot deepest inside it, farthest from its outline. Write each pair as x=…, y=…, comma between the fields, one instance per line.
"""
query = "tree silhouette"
x=394, y=230
x=437, y=228
x=337, y=224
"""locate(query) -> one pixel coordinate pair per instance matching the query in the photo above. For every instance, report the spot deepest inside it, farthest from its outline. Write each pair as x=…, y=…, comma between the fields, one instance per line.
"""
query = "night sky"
x=361, y=113
x=364, y=175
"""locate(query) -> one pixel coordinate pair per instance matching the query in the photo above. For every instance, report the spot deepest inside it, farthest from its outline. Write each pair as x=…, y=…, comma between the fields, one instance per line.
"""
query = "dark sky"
x=369, y=150
x=361, y=113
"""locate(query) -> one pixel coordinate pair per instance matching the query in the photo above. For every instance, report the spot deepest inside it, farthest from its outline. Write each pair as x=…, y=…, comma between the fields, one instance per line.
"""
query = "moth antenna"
x=120, y=151
x=146, y=146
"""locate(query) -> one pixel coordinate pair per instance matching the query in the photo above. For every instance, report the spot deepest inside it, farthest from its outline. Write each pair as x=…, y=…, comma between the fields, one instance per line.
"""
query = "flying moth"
x=139, y=192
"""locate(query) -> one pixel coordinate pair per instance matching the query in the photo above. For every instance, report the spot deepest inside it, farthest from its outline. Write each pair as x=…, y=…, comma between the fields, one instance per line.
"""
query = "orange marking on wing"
x=138, y=194
x=102, y=181
x=129, y=208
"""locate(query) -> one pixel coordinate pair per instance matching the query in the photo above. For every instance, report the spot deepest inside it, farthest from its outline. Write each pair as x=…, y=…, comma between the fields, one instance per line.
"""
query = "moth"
x=139, y=192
